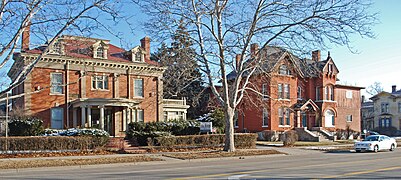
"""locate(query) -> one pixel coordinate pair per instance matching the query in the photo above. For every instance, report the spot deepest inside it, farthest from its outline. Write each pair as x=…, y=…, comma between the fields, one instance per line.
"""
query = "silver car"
x=376, y=143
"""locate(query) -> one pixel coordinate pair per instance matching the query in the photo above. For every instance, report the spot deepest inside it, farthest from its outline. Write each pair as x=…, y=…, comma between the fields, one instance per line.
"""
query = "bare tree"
x=223, y=28
x=47, y=20
x=375, y=88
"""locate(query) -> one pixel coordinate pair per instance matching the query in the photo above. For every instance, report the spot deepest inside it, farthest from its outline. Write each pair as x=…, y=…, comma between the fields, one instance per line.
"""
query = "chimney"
x=254, y=49
x=363, y=98
x=316, y=55
x=145, y=44
x=26, y=38
x=237, y=60
x=393, y=88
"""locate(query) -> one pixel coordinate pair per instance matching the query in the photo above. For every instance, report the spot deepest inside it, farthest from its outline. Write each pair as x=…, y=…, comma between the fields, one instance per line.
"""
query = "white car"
x=376, y=143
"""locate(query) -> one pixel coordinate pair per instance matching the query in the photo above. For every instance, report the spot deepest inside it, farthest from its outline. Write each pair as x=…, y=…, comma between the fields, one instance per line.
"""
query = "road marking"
x=362, y=172
x=237, y=176
x=295, y=167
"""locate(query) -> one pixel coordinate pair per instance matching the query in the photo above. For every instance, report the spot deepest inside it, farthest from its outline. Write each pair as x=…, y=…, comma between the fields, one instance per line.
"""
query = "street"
x=300, y=164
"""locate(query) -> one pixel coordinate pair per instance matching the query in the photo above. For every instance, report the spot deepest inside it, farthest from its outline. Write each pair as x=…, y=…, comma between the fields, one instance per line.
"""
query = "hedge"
x=53, y=143
x=243, y=141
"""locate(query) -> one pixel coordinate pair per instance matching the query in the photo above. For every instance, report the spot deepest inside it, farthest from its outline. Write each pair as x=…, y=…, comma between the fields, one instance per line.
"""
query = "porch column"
x=101, y=119
x=128, y=115
x=74, y=117
x=124, y=118
x=89, y=117
x=83, y=120
x=298, y=118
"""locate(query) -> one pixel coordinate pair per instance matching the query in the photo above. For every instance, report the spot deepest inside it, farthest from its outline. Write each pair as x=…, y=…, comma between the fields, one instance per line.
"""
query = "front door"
x=304, y=120
x=108, y=121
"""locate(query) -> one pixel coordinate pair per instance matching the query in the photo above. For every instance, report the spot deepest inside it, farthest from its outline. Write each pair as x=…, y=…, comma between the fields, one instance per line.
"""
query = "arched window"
x=284, y=70
x=329, y=118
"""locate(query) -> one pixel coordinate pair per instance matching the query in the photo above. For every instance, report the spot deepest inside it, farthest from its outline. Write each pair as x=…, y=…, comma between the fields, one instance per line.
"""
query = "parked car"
x=376, y=143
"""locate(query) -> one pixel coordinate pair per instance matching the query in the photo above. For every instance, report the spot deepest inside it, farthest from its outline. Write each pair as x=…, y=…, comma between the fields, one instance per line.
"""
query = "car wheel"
x=358, y=151
x=392, y=147
x=376, y=149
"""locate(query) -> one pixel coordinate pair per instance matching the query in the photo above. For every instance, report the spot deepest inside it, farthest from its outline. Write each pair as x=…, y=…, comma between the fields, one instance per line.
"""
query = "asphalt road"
x=300, y=164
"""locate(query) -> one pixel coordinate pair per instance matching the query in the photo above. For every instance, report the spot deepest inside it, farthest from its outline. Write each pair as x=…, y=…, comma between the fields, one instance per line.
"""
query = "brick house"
x=89, y=82
x=386, y=110
x=297, y=93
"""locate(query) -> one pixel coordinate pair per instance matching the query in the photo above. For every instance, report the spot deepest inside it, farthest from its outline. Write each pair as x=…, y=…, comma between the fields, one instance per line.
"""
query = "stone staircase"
x=322, y=137
x=123, y=145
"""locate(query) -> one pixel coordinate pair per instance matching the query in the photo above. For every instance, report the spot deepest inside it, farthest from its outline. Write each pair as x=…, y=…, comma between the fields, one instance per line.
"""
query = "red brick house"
x=88, y=82
x=297, y=93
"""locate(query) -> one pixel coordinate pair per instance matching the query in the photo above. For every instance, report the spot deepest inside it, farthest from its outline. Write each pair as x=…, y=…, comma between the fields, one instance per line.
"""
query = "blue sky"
x=377, y=59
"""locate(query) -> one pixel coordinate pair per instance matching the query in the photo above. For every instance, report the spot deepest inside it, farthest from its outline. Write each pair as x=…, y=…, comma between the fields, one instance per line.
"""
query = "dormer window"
x=56, y=48
x=100, y=50
x=137, y=54
x=138, y=57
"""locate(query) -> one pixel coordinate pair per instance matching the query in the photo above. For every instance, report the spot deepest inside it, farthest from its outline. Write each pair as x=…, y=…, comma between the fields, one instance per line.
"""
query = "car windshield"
x=372, y=138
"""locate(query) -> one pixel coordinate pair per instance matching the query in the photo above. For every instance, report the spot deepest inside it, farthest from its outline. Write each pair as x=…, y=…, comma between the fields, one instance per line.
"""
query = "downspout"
x=67, y=94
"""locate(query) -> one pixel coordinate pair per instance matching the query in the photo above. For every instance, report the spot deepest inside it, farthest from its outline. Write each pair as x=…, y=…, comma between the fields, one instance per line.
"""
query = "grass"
x=73, y=162
x=219, y=154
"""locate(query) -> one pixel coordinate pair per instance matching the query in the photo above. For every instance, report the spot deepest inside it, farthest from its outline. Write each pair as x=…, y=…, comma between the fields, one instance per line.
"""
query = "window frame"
x=281, y=116
x=265, y=118
x=136, y=88
x=103, y=79
x=265, y=93
x=349, y=118
x=280, y=91
x=100, y=51
x=283, y=70
x=384, y=107
x=287, y=91
x=55, y=85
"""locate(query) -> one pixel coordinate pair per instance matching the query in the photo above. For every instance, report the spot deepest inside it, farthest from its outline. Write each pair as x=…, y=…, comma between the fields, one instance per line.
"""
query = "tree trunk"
x=229, y=142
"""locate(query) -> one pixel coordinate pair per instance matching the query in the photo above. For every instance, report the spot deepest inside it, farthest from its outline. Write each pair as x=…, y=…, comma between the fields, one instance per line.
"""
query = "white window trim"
x=62, y=82
x=263, y=117
x=143, y=88
x=104, y=76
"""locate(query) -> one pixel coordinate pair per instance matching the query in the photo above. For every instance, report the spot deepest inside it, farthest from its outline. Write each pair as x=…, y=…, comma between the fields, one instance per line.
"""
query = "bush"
x=347, y=133
x=61, y=143
x=246, y=140
x=217, y=119
x=290, y=137
x=269, y=135
x=76, y=132
x=143, y=131
x=25, y=126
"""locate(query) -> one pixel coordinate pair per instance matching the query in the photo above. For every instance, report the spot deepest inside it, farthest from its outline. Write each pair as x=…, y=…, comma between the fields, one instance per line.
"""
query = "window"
x=349, y=118
x=179, y=115
x=100, y=52
x=264, y=91
x=318, y=93
x=287, y=91
x=280, y=91
x=57, y=116
x=385, y=122
x=284, y=116
x=140, y=115
x=265, y=118
x=399, y=107
x=284, y=70
x=299, y=92
x=331, y=91
x=100, y=82
x=330, y=67
x=138, y=57
x=287, y=116
x=326, y=92
x=138, y=92
x=55, y=48
x=56, y=80
x=384, y=107
x=165, y=115
x=281, y=116
x=329, y=118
